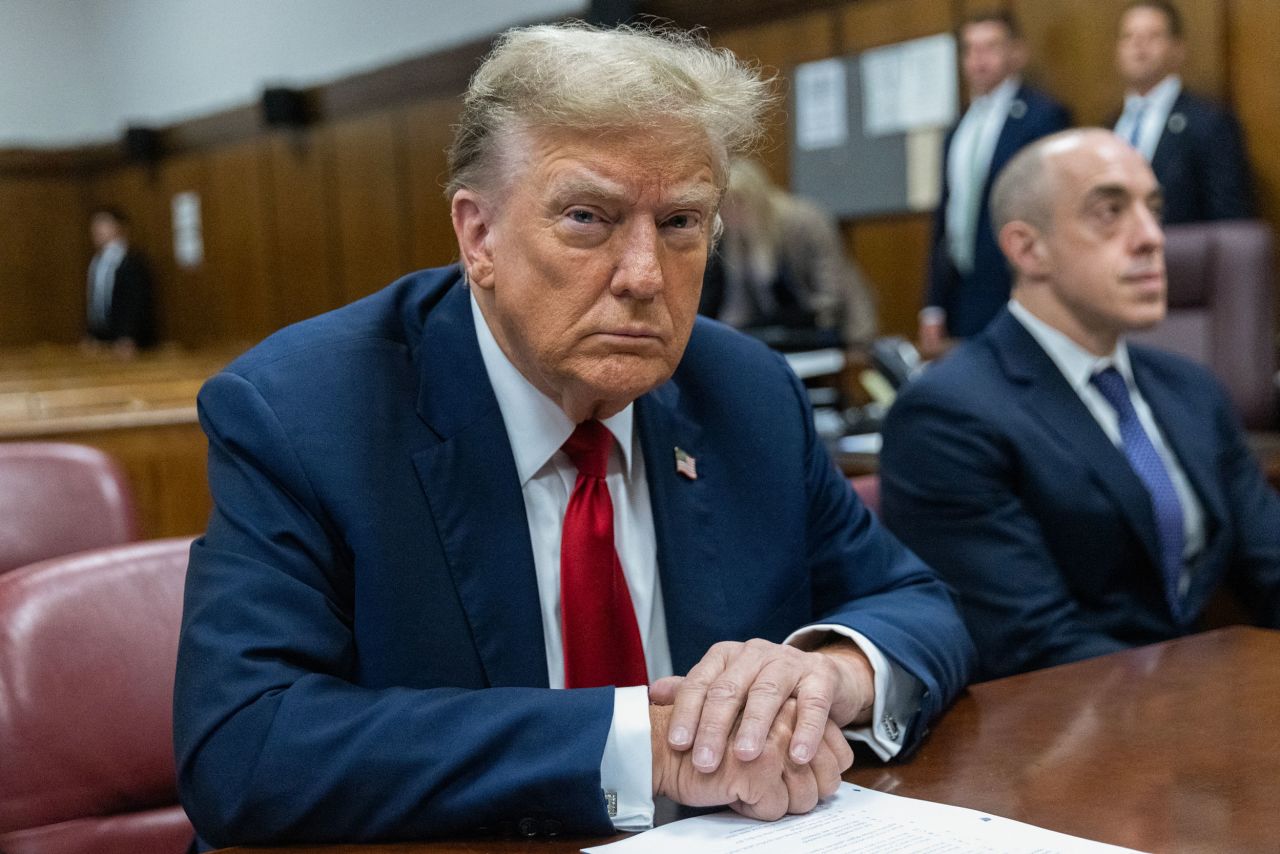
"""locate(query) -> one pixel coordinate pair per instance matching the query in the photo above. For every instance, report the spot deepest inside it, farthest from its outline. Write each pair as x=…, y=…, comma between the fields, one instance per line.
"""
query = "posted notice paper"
x=856, y=820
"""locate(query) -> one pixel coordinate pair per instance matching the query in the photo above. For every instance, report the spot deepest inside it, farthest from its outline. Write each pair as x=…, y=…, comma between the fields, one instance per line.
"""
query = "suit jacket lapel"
x=1190, y=441
x=692, y=592
x=1169, y=139
x=474, y=493
x=1051, y=399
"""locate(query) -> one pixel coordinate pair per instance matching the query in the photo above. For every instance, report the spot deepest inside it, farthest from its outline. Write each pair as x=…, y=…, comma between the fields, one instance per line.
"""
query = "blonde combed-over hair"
x=575, y=76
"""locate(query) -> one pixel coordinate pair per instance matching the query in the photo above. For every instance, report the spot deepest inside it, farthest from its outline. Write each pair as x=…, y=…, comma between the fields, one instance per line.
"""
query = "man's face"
x=1147, y=51
x=103, y=229
x=988, y=56
x=592, y=260
x=1104, y=247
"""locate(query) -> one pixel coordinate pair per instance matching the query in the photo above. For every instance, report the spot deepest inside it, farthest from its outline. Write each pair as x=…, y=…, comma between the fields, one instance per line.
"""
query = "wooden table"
x=1171, y=747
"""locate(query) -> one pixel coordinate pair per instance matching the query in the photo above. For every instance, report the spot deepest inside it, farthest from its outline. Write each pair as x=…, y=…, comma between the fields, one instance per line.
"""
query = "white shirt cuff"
x=897, y=697
x=626, y=768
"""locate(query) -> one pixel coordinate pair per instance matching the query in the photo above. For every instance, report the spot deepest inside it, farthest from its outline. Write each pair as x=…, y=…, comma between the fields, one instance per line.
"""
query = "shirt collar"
x=114, y=249
x=1162, y=95
x=536, y=426
x=1077, y=364
x=999, y=97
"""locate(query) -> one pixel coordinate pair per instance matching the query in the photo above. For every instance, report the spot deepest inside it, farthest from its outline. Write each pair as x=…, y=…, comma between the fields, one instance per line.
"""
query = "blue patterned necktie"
x=1151, y=470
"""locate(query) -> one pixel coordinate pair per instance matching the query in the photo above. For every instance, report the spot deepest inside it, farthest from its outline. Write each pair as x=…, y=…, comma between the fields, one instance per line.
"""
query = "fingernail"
x=800, y=753
x=702, y=757
x=680, y=735
x=746, y=745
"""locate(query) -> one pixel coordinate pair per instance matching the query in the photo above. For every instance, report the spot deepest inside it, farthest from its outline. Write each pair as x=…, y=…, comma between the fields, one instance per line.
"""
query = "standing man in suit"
x=968, y=278
x=1193, y=144
x=119, y=288
x=521, y=543
x=1081, y=494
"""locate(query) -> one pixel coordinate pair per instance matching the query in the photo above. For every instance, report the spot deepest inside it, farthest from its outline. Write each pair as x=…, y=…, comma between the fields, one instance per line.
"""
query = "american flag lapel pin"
x=686, y=464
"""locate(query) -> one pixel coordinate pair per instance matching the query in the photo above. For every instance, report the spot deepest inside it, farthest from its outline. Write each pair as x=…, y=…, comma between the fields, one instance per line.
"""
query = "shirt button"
x=528, y=827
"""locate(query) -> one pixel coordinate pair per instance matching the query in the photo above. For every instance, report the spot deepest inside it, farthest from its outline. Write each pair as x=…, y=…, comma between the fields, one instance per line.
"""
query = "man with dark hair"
x=118, y=300
x=1194, y=145
x=1082, y=495
x=968, y=278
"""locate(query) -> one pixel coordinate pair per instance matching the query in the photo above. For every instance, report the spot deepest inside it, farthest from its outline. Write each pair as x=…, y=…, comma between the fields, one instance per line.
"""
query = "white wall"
x=74, y=71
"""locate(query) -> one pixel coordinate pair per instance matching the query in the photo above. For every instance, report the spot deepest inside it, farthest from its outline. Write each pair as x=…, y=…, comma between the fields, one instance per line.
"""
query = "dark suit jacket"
x=994, y=471
x=1201, y=163
x=972, y=300
x=130, y=315
x=362, y=653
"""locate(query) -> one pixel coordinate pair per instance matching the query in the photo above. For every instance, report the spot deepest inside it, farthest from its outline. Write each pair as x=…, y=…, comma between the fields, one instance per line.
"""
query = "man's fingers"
x=690, y=696
x=814, y=695
x=771, y=688
x=663, y=692
x=742, y=679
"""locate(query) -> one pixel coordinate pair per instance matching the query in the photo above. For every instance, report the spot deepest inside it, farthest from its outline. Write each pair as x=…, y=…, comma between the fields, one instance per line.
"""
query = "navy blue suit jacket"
x=1201, y=164
x=972, y=300
x=362, y=654
x=994, y=471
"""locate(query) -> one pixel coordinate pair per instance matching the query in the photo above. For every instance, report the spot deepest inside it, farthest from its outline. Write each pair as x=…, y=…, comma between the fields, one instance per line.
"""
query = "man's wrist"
x=857, y=678
x=659, y=718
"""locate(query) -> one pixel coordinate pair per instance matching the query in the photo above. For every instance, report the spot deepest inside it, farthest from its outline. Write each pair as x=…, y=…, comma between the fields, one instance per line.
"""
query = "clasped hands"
x=782, y=710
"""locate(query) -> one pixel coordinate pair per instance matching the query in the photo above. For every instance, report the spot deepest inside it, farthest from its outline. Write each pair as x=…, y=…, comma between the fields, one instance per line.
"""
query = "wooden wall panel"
x=186, y=297
x=872, y=23
x=44, y=256
x=302, y=226
x=235, y=246
x=428, y=132
x=780, y=46
x=372, y=204
x=1253, y=32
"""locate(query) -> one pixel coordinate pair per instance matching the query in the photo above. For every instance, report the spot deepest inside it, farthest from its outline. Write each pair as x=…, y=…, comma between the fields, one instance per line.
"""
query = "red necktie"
x=597, y=622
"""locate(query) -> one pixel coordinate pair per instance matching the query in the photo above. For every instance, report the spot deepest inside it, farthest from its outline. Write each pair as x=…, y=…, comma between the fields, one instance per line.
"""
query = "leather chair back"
x=87, y=650
x=1221, y=311
x=57, y=498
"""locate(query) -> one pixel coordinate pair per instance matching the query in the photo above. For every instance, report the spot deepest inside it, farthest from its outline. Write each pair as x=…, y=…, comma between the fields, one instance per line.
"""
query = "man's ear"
x=1022, y=243
x=472, y=224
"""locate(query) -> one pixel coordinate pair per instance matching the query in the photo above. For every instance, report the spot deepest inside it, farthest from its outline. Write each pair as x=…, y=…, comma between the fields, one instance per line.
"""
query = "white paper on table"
x=857, y=820
x=822, y=110
x=909, y=85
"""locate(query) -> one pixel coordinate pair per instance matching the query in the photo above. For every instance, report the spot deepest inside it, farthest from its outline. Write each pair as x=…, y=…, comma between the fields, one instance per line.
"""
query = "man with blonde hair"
x=535, y=470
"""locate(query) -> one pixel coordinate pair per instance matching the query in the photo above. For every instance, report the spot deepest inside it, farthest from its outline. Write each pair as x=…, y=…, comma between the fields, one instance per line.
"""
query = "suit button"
x=528, y=827
x=551, y=827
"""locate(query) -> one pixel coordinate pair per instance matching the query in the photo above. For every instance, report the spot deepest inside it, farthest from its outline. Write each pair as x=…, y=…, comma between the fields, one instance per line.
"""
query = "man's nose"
x=638, y=273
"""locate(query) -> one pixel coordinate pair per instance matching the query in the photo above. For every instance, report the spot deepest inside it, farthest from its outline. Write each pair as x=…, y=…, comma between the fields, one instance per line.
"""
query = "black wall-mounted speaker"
x=141, y=145
x=282, y=107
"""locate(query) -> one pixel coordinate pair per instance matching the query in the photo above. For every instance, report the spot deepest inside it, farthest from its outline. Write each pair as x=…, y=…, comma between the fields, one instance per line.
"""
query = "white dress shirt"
x=1078, y=366
x=102, y=278
x=537, y=427
x=1152, y=110
x=968, y=162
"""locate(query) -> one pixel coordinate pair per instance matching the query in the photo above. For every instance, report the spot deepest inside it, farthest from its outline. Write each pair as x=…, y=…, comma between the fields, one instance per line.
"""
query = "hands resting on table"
x=782, y=709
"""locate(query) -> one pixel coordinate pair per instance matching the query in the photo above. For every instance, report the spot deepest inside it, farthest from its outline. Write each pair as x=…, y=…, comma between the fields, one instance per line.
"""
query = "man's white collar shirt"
x=1150, y=112
x=1078, y=365
x=102, y=273
x=536, y=428
x=968, y=165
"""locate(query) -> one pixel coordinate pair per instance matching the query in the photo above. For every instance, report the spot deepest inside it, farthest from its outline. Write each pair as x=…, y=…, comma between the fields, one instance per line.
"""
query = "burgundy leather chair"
x=868, y=488
x=57, y=498
x=87, y=650
x=1221, y=311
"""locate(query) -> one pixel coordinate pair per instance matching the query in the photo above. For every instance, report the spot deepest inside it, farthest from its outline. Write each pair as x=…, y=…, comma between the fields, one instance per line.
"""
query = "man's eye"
x=583, y=216
x=682, y=221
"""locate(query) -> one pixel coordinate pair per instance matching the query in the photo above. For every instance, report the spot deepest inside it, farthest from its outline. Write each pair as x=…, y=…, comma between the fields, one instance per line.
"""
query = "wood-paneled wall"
x=297, y=222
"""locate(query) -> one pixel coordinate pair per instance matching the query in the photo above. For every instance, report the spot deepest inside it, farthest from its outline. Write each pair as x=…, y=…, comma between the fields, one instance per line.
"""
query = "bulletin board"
x=867, y=130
